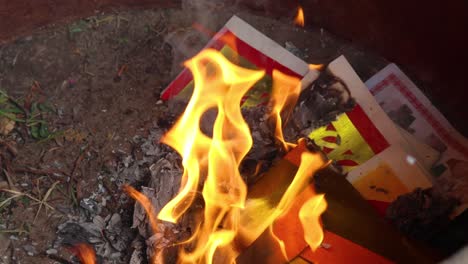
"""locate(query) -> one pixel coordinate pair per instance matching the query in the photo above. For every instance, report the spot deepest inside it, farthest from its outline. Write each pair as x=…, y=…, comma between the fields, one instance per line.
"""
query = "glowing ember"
x=85, y=253
x=233, y=217
x=299, y=20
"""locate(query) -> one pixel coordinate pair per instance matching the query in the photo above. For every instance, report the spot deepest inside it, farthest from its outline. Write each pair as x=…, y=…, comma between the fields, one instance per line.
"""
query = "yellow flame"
x=299, y=20
x=280, y=242
x=262, y=211
x=284, y=95
x=310, y=218
x=232, y=217
x=220, y=85
x=85, y=253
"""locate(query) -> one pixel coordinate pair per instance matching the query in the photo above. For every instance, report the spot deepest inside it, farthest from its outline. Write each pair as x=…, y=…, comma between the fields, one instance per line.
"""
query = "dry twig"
x=53, y=173
x=78, y=161
x=42, y=202
x=10, y=181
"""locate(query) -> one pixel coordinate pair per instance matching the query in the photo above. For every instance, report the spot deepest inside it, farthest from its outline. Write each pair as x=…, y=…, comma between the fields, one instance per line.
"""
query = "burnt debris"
x=421, y=214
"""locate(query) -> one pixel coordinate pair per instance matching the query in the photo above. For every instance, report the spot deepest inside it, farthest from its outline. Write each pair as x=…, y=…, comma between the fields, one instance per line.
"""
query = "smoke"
x=188, y=41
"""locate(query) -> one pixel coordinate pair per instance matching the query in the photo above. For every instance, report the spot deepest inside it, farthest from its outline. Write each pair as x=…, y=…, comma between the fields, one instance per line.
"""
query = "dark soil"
x=101, y=78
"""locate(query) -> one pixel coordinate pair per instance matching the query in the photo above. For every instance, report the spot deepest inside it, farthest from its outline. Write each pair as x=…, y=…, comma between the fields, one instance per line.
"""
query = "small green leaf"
x=123, y=40
x=3, y=93
x=25, y=200
x=46, y=108
x=35, y=132
x=43, y=130
x=76, y=30
x=78, y=27
x=11, y=116
x=3, y=99
x=51, y=136
x=13, y=110
x=34, y=109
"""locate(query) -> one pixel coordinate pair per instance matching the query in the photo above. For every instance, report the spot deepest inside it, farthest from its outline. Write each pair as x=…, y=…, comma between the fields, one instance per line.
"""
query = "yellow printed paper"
x=348, y=145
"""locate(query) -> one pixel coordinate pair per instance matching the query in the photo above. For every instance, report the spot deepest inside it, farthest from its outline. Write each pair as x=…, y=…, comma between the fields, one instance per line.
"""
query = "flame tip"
x=316, y=67
x=299, y=19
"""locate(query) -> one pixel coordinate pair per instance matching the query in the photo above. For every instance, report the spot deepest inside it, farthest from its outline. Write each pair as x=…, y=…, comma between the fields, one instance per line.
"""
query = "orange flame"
x=145, y=203
x=85, y=253
x=233, y=217
x=299, y=20
x=309, y=216
x=285, y=92
x=316, y=67
x=262, y=211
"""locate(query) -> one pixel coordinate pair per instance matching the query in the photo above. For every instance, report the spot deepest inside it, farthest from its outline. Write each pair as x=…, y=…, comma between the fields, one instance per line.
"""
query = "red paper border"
x=368, y=131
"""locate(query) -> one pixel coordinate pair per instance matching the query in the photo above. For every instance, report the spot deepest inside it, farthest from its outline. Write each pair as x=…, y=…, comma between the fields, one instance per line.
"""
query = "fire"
x=317, y=67
x=145, y=203
x=85, y=253
x=214, y=160
x=309, y=216
x=263, y=209
x=299, y=20
x=233, y=217
x=285, y=92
